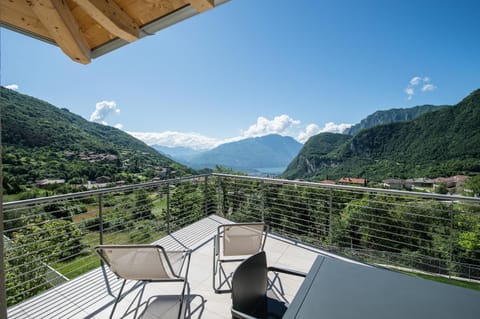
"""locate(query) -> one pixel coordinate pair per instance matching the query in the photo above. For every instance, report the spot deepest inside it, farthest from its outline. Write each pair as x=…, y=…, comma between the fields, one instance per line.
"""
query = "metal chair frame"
x=177, y=276
x=219, y=258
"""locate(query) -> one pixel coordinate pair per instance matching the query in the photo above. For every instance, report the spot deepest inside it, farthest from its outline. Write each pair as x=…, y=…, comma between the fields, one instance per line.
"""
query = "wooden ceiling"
x=85, y=29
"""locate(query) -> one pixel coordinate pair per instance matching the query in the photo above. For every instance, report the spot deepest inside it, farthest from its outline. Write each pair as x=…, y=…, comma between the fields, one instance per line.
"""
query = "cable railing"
x=439, y=234
x=50, y=240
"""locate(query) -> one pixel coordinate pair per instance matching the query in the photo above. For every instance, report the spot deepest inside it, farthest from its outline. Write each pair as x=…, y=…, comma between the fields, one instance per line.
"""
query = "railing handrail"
x=101, y=191
x=354, y=188
x=279, y=181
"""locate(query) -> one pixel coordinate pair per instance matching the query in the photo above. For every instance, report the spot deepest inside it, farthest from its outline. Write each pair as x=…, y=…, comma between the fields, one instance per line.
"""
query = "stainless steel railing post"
x=450, y=249
x=220, y=197
x=100, y=217
x=262, y=200
x=330, y=230
x=168, y=208
x=205, y=194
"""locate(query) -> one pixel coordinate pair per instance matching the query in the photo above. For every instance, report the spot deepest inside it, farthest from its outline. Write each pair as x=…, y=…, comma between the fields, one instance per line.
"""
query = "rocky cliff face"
x=392, y=116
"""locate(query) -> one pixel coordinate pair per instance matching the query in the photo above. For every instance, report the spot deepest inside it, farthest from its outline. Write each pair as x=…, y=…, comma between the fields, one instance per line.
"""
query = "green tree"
x=441, y=188
x=143, y=205
x=32, y=248
x=11, y=184
x=186, y=203
x=143, y=232
x=472, y=186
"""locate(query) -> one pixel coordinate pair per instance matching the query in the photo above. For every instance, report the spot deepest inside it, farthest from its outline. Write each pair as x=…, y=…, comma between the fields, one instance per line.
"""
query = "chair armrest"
x=287, y=271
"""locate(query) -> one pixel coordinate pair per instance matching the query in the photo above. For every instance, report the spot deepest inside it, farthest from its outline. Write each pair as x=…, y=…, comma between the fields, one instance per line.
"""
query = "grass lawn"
x=92, y=212
x=10, y=198
x=78, y=266
x=159, y=205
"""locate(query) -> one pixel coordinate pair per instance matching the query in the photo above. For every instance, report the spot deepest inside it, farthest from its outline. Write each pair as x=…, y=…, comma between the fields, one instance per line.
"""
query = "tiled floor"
x=88, y=296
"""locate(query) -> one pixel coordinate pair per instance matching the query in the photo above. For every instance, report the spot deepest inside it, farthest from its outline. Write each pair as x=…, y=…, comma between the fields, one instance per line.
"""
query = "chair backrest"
x=249, y=286
x=243, y=239
x=138, y=262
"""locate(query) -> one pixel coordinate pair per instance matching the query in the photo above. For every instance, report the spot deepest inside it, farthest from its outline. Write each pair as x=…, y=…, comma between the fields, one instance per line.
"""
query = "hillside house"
x=421, y=183
x=353, y=181
x=47, y=182
x=393, y=184
x=103, y=179
x=455, y=184
x=328, y=181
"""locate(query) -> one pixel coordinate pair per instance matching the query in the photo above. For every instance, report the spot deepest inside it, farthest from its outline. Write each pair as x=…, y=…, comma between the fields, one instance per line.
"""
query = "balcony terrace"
x=52, y=271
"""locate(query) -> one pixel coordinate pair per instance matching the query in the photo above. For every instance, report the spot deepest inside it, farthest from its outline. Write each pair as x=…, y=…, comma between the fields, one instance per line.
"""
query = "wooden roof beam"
x=111, y=17
x=202, y=5
x=19, y=14
x=56, y=17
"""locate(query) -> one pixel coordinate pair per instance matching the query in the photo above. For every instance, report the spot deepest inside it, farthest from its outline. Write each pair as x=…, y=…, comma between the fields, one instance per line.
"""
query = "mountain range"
x=443, y=142
x=268, y=154
x=271, y=154
x=181, y=154
x=41, y=141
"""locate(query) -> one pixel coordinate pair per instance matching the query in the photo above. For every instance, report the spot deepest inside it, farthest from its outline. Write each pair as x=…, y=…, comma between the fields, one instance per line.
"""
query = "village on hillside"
x=440, y=185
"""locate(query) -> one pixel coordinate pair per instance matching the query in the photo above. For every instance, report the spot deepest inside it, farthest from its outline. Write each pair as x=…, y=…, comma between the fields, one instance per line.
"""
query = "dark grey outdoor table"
x=339, y=289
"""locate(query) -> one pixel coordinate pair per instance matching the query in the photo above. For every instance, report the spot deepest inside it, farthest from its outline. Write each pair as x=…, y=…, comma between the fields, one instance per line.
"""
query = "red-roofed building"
x=454, y=184
x=328, y=181
x=353, y=181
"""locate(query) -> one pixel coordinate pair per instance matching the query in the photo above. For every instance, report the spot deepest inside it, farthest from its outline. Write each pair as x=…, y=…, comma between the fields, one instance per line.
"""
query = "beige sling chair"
x=146, y=263
x=234, y=243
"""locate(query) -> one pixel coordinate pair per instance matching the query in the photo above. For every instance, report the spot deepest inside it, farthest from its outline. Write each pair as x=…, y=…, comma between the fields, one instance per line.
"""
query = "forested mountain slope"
x=440, y=143
x=42, y=141
x=307, y=162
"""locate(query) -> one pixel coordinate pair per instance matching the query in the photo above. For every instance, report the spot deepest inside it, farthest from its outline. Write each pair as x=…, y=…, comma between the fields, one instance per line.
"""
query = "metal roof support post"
x=3, y=295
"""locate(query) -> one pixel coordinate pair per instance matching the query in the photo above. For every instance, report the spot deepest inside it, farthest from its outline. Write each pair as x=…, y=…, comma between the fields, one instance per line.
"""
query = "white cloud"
x=335, y=128
x=418, y=80
x=310, y=130
x=428, y=87
x=410, y=92
x=118, y=125
x=12, y=87
x=102, y=110
x=282, y=124
x=177, y=139
x=313, y=129
x=278, y=125
x=415, y=80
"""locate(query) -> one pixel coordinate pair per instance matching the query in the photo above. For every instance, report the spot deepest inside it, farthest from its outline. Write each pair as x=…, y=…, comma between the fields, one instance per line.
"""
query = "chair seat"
x=275, y=307
x=147, y=263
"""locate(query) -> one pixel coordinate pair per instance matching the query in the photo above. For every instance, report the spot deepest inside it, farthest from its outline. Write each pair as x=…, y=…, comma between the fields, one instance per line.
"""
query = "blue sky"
x=251, y=67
